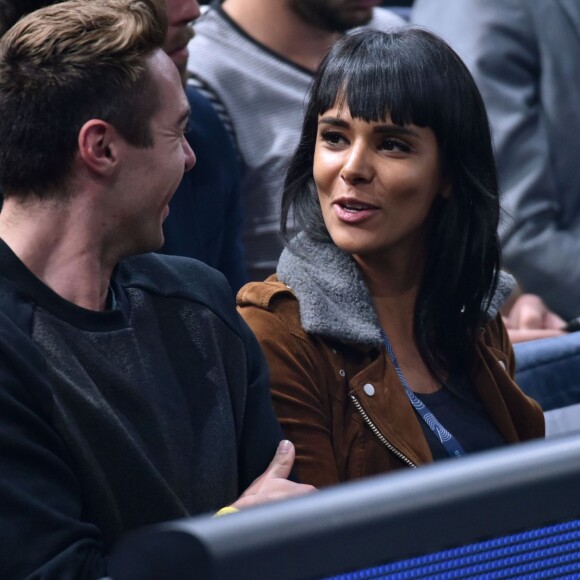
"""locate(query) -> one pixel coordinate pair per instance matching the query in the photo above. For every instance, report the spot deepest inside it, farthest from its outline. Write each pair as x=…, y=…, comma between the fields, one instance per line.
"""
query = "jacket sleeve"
x=43, y=534
x=498, y=40
x=295, y=379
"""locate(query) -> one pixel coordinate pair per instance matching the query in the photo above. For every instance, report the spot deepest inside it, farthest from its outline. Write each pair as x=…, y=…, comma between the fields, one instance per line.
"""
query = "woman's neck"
x=394, y=285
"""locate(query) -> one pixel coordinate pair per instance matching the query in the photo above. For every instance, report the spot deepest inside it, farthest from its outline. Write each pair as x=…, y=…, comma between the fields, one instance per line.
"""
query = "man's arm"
x=42, y=533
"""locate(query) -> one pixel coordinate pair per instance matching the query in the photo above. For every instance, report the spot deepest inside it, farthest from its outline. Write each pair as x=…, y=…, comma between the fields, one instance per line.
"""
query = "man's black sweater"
x=156, y=409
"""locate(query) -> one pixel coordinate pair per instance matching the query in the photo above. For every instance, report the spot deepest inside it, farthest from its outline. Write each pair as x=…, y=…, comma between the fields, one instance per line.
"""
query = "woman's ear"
x=97, y=143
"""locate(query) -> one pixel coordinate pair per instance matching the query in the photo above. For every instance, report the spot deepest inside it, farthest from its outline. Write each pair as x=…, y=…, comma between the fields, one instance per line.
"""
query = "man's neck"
x=275, y=25
x=55, y=244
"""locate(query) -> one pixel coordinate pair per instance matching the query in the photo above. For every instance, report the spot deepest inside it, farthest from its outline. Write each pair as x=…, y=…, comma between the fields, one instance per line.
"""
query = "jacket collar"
x=334, y=300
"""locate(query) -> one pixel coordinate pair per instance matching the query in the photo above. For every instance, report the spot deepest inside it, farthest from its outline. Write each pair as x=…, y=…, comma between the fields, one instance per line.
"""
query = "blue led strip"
x=553, y=546
x=550, y=552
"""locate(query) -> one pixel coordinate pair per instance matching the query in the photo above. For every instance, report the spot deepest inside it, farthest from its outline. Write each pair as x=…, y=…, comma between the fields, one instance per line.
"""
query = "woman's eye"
x=332, y=137
x=394, y=145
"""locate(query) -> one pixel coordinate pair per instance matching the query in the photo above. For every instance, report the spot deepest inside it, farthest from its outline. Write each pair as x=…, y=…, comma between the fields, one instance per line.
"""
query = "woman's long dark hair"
x=412, y=76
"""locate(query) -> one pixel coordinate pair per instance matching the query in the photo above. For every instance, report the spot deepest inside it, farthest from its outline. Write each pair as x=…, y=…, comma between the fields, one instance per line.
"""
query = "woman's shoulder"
x=263, y=294
x=269, y=306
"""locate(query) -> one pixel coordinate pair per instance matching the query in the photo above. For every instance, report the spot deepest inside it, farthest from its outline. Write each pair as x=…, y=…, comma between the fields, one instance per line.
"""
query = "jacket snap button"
x=369, y=389
x=341, y=373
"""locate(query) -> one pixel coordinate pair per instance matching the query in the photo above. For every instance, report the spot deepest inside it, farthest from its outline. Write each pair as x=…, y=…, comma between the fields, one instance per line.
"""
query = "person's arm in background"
x=498, y=40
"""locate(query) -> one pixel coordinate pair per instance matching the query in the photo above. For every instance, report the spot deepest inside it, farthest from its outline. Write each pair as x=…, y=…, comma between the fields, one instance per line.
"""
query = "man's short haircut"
x=63, y=65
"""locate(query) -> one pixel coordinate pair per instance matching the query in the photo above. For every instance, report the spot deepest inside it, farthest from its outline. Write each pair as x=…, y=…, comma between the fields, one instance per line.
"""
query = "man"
x=524, y=58
x=205, y=221
x=130, y=392
x=255, y=60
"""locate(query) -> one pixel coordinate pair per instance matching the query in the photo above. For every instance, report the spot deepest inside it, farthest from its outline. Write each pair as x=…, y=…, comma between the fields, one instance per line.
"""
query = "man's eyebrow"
x=388, y=129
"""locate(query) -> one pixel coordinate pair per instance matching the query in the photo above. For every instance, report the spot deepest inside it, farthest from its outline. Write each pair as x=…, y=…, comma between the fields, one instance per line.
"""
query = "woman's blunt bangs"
x=398, y=75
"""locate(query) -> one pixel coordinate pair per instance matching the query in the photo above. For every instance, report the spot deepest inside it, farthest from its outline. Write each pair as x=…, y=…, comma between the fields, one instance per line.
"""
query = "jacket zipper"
x=378, y=434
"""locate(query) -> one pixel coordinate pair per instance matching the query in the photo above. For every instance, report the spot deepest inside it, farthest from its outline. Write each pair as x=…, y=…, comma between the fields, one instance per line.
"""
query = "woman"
x=381, y=314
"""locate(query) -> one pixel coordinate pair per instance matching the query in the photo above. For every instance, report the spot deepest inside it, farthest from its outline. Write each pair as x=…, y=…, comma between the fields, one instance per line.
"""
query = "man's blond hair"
x=63, y=65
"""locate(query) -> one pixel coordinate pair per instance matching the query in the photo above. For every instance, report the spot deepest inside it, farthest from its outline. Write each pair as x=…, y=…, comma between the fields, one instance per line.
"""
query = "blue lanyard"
x=451, y=444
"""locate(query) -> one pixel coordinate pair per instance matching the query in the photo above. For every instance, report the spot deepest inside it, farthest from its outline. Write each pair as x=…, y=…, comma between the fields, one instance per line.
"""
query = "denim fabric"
x=549, y=370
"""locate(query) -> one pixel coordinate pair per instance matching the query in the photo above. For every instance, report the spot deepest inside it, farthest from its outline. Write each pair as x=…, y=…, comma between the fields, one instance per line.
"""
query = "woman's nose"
x=357, y=167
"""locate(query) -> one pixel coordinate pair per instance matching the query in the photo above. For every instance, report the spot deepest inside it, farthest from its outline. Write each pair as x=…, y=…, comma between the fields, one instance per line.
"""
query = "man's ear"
x=99, y=146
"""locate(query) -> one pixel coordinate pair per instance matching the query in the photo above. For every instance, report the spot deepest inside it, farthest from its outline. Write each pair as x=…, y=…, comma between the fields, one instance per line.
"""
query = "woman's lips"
x=353, y=212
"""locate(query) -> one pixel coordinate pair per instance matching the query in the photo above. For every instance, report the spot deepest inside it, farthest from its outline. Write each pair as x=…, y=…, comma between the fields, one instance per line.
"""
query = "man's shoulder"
x=177, y=277
x=16, y=308
x=17, y=348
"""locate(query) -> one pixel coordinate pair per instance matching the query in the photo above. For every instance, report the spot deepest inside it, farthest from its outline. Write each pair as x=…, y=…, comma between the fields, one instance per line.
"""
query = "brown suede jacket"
x=320, y=363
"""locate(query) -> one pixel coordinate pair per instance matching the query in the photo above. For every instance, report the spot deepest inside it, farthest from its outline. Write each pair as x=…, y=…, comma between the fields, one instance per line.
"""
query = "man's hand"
x=529, y=318
x=273, y=483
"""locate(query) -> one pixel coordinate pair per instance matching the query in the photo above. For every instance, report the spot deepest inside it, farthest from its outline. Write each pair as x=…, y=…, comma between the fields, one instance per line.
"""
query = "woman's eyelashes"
x=335, y=139
x=391, y=144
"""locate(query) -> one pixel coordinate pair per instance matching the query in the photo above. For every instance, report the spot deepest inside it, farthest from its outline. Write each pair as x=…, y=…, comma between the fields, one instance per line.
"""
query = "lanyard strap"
x=451, y=444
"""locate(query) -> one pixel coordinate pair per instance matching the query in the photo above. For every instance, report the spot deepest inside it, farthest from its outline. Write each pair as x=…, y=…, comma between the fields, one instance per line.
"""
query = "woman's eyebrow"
x=395, y=130
x=388, y=129
x=334, y=121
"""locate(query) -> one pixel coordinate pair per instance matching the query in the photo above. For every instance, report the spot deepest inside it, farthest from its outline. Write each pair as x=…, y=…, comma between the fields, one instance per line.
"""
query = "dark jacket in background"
x=205, y=217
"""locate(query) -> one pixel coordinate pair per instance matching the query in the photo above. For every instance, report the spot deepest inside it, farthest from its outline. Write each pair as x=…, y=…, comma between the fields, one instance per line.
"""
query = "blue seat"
x=549, y=370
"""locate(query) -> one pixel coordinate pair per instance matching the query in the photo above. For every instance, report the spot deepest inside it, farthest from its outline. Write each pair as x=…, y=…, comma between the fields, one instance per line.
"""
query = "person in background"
x=130, y=390
x=255, y=60
x=205, y=221
x=381, y=327
x=524, y=58
x=206, y=215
